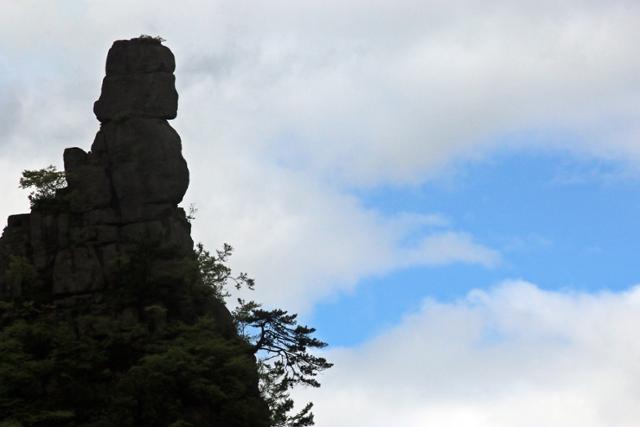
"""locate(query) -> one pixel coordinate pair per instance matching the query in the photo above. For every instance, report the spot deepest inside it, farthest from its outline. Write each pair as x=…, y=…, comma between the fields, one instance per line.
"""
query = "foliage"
x=160, y=349
x=151, y=38
x=217, y=275
x=45, y=182
x=281, y=345
x=285, y=361
x=284, y=341
x=102, y=370
x=276, y=394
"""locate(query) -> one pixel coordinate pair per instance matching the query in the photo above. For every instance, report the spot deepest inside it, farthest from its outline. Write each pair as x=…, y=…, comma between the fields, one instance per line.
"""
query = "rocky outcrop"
x=133, y=333
x=121, y=194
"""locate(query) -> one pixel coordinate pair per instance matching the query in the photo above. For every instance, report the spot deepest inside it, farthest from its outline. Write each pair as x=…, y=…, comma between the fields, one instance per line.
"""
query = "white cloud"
x=287, y=106
x=304, y=240
x=447, y=247
x=372, y=92
x=512, y=356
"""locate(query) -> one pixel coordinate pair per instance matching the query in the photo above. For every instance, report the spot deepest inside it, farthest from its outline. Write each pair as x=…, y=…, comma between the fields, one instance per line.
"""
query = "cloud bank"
x=515, y=355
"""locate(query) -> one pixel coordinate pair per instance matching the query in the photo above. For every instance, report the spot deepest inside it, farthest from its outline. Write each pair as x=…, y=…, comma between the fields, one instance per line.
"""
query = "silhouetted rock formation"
x=123, y=192
x=113, y=248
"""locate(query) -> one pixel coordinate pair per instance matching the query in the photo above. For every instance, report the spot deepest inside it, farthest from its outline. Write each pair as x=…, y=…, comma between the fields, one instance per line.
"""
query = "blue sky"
x=562, y=222
x=447, y=190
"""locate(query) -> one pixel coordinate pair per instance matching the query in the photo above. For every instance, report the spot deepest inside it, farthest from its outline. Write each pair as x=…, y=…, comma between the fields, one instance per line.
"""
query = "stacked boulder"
x=122, y=194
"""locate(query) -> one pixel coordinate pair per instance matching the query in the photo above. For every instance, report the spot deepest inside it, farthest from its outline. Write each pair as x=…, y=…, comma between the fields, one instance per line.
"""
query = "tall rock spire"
x=135, y=333
x=122, y=194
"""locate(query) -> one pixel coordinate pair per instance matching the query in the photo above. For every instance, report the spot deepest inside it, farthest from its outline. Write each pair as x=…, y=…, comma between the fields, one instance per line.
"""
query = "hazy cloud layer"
x=512, y=356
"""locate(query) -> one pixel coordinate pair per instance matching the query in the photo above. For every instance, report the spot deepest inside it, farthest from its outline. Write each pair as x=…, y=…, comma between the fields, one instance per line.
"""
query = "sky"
x=447, y=190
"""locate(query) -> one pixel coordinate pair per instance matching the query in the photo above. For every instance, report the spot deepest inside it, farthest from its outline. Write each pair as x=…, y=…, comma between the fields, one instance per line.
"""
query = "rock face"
x=121, y=194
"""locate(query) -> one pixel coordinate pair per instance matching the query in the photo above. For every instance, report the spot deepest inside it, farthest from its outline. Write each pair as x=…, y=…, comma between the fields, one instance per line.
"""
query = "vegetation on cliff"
x=108, y=316
x=158, y=349
x=150, y=353
x=43, y=183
